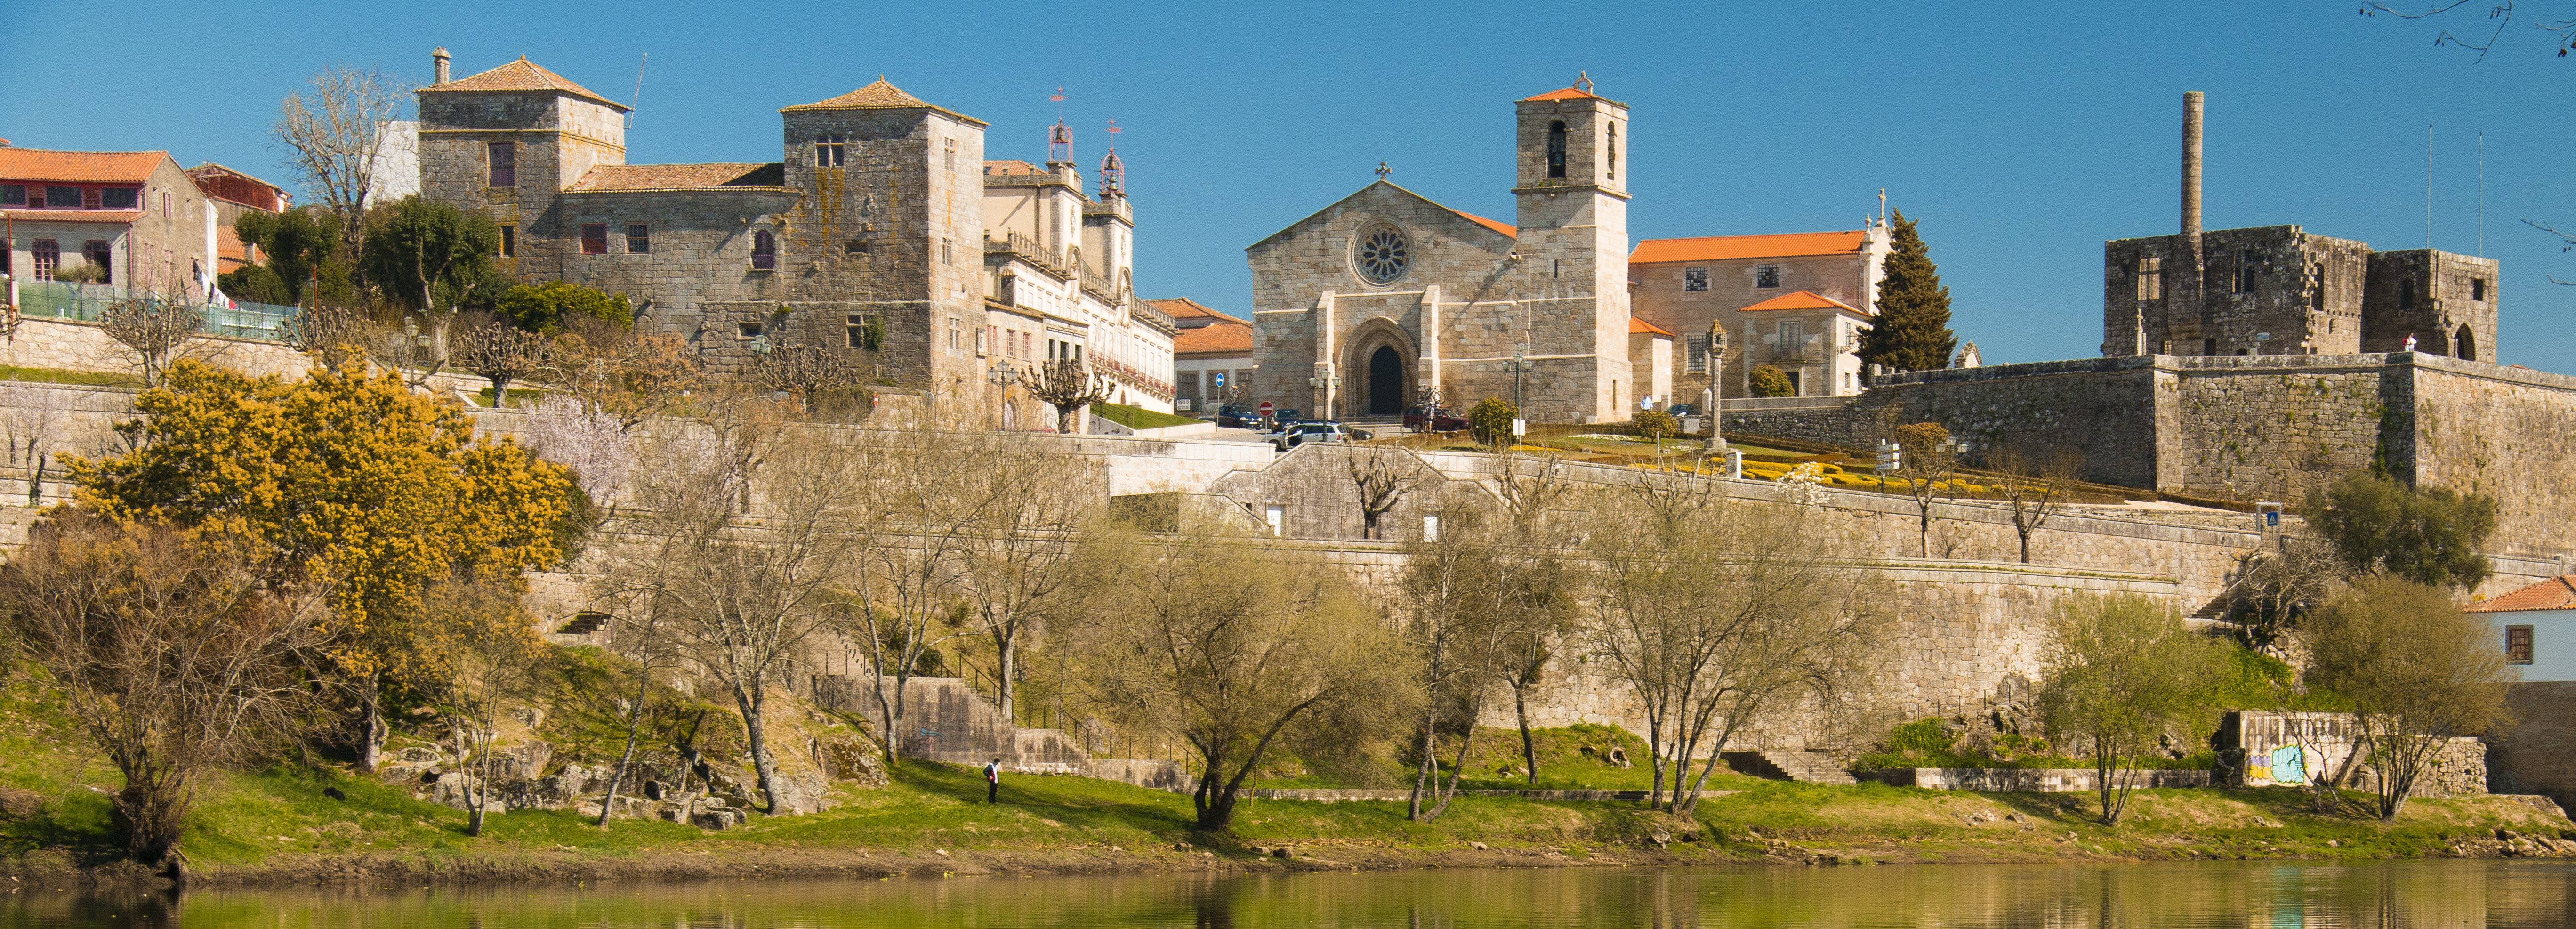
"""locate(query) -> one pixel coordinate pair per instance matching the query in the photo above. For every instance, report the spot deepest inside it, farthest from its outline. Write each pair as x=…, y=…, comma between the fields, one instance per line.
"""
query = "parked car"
x=1286, y=417
x=1236, y=416
x=1433, y=419
x=1683, y=409
x=1301, y=433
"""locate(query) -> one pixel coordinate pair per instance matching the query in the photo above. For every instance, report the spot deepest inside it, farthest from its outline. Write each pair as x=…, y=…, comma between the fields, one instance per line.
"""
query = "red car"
x=1433, y=419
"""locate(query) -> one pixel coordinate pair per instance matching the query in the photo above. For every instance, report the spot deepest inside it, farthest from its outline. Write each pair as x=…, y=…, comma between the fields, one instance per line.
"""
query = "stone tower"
x=510, y=141
x=1572, y=244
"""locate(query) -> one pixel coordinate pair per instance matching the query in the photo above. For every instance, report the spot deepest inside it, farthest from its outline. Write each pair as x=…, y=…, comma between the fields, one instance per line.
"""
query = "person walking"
x=993, y=782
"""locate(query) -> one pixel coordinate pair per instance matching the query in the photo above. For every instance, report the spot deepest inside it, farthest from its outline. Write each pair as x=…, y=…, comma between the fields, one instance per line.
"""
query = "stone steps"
x=1803, y=767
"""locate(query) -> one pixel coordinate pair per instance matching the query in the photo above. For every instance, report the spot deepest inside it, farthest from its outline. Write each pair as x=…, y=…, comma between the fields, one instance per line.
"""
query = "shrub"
x=545, y=307
x=1769, y=381
x=1490, y=421
x=1656, y=424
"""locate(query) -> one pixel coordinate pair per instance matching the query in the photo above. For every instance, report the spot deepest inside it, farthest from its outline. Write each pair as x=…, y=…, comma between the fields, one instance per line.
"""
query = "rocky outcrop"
x=659, y=785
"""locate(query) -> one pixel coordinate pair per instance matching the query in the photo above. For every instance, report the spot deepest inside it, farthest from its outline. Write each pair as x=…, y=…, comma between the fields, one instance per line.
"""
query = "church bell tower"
x=1572, y=187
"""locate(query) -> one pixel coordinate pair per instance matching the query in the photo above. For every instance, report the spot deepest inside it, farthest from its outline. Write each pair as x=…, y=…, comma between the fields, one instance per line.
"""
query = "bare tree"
x=745, y=595
x=1068, y=384
x=1452, y=595
x=2500, y=12
x=1539, y=589
x=1021, y=559
x=333, y=136
x=640, y=623
x=2036, y=486
x=920, y=522
x=334, y=336
x=174, y=653
x=157, y=329
x=630, y=377
x=479, y=657
x=499, y=351
x=799, y=361
x=34, y=420
x=1713, y=642
x=1928, y=461
x=1383, y=477
x=2274, y=588
x=1228, y=647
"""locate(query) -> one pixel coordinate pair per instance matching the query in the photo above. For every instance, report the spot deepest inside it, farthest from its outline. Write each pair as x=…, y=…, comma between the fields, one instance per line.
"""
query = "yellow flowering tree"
x=356, y=481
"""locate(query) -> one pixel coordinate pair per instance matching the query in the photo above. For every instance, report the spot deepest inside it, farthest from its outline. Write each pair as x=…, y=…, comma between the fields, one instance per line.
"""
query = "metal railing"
x=84, y=303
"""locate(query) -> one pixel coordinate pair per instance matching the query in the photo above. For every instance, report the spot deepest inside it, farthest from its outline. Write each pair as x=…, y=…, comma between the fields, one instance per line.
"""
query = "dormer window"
x=829, y=150
x=1556, y=149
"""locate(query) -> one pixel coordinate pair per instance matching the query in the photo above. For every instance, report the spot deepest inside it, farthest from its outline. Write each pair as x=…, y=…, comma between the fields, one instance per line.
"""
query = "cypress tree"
x=1913, y=328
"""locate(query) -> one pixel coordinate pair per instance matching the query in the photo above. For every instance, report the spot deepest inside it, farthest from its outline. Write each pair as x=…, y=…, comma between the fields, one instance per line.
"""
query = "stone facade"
x=1461, y=295
x=164, y=241
x=2277, y=290
x=1737, y=283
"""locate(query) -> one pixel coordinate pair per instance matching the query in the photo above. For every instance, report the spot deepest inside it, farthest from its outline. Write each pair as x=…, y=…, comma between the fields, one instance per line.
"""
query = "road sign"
x=1265, y=408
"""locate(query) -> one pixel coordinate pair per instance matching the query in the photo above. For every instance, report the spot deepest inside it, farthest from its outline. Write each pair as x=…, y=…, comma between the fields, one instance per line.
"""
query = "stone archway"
x=1368, y=388
x=2466, y=344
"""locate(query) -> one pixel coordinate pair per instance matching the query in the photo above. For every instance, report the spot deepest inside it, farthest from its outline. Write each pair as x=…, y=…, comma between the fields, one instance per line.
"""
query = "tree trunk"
x=1422, y=769
x=371, y=735
x=1458, y=770
x=751, y=698
x=2025, y=546
x=634, y=725
x=1006, y=644
x=1529, y=749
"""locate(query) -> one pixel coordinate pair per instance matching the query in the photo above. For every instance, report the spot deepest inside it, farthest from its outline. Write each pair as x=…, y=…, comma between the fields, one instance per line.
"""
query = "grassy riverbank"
x=282, y=828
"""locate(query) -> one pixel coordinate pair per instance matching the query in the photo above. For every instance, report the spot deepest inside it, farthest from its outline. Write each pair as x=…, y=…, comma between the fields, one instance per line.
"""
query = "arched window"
x=1611, y=163
x=2466, y=343
x=764, y=251
x=1556, y=149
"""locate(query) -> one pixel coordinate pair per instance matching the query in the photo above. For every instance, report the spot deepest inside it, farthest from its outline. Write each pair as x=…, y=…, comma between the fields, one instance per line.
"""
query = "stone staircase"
x=1803, y=767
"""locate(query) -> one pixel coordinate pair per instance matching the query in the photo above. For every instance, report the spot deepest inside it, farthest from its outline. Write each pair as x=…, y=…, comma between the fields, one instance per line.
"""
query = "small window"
x=947, y=251
x=989, y=341
x=2246, y=263
x=858, y=332
x=509, y=241
x=857, y=247
x=2209, y=347
x=1556, y=149
x=505, y=164
x=165, y=204
x=125, y=198
x=1694, y=279
x=639, y=239
x=2151, y=278
x=2406, y=295
x=750, y=330
x=13, y=195
x=61, y=198
x=594, y=238
x=2517, y=644
x=952, y=154
x=764, y=251
x=2478, y=289
x=2317, y=290
x=1697, y=348
x=96, y=253
x=48, y=256
x=828, y=150
x=956, y=334
x=1766, y=276
x=1610, y=160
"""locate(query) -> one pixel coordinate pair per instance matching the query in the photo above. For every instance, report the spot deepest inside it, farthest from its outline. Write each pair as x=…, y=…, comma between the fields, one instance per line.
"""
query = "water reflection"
x=2237, y=895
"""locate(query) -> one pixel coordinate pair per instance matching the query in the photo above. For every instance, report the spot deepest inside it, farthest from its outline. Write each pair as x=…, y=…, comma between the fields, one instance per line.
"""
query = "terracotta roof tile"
x=1011, y=166
x=1186, y=308
x=520, y=75
x=1641, y=327
x=1501, y=227
x=36, y=164
x=710, y=176
x=73, y=216
x=1724, y=247
x=877, y=96
x=2557, y=593
x=1226, y=337
x=1802, y=300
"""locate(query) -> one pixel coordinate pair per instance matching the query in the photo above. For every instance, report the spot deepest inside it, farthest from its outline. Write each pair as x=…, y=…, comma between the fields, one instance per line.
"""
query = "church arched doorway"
x=2467, y=343
x=1386, y=382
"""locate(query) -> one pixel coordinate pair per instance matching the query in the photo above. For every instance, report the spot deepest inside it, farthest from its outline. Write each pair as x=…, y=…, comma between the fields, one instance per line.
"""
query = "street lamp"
x=1328, y=382
x=1001, y=376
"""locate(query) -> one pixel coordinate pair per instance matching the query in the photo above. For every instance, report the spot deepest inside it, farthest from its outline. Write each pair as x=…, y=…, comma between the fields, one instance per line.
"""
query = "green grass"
x=76, y=378
x=1135, y=417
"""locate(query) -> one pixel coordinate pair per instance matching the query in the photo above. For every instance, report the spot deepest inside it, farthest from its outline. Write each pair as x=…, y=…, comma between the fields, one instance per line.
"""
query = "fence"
x=84, y=303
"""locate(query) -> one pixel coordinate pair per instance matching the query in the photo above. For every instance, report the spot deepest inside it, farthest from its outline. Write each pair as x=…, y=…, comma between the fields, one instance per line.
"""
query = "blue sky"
x=2020, y=135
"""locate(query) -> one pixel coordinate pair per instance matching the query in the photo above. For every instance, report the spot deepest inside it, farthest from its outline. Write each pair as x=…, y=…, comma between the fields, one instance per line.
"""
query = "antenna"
x=2482, y=195
x=2428, y=185
x=639, y=89
x=1059, y=136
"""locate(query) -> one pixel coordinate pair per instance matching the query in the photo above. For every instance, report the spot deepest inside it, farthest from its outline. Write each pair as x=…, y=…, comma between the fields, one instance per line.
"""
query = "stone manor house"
x=1384, y=297
x=880, y=230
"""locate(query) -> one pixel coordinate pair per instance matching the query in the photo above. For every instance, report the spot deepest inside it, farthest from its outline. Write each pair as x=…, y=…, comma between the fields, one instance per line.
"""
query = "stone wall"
x=2536, y=753
x=2261, y=749
x=66, y=345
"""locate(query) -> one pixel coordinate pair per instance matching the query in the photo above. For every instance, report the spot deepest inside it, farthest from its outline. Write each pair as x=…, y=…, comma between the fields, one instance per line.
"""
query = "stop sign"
x=1265, y=407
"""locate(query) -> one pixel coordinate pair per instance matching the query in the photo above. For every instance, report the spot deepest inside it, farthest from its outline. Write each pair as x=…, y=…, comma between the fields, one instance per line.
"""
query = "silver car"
x=1302, y=433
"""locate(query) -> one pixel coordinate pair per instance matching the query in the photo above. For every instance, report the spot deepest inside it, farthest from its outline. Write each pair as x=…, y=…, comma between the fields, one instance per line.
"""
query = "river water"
x=2243, y=895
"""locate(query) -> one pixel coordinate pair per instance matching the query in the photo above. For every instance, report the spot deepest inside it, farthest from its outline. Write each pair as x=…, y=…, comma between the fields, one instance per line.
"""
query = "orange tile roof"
x=1186, y=308
x=520, y=75
x=1638, y=327
x=1724, y=247
x=2557, y=593
x=1011, y=166
x=877, y=96
x=1504, y=228
x=1802, y=300
x=680, y=177
x=36, y=164
x=1220, y=338
x=1570, y=93
x=72, y=216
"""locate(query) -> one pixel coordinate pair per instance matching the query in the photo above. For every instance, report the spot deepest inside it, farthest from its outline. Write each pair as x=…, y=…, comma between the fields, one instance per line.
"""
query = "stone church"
x=881, y=230
x=1379, y=299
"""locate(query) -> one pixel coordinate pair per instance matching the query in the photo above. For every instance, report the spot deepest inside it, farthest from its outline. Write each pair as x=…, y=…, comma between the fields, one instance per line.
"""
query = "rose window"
x=1383, y=255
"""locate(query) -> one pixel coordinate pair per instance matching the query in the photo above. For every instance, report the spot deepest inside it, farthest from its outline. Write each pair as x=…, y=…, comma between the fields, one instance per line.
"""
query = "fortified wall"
x=2265, y=427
